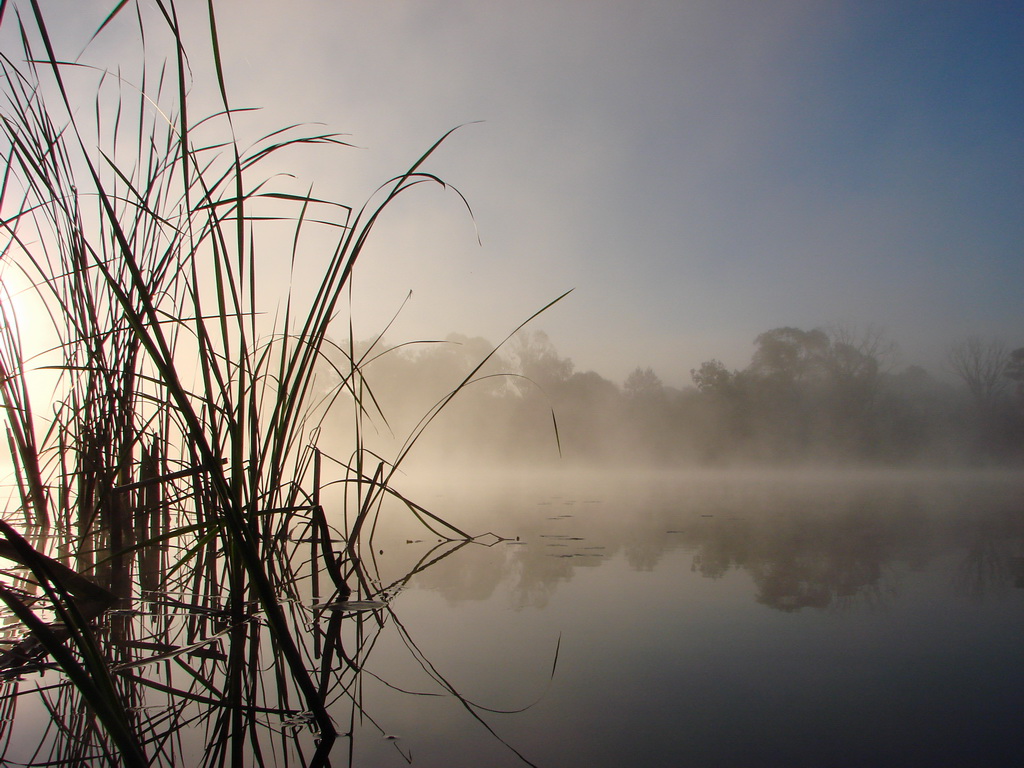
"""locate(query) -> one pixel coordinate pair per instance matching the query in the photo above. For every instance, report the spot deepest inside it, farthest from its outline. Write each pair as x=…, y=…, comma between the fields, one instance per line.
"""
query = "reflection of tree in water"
x=728, y=546
x=994, y=561
x=821, y=544
x=536, y=579
x=802, y=559
x=824, y=558
x=644, y=554
x=816, y=553
x=832, y=561
x=817, y=571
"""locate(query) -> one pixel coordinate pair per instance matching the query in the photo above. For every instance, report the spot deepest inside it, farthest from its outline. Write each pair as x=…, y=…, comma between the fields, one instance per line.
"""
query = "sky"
x=697, y=172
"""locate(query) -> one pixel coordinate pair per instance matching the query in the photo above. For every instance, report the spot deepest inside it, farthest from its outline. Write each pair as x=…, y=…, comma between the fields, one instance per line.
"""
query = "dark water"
x=708, y=620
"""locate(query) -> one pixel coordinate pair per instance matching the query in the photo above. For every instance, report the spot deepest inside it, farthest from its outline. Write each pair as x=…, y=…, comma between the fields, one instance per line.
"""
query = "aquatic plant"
x=177, y=468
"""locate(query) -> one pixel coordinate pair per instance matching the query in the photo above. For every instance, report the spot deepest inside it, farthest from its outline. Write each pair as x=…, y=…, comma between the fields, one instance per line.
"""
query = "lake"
x=706, y=619
x=611, y=618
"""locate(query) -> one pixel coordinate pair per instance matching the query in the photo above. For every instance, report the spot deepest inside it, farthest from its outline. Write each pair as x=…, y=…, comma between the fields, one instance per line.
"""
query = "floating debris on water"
x=354, y=606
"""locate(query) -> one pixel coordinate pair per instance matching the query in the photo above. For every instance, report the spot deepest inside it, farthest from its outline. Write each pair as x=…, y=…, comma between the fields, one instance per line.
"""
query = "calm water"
x=721, y=619
x=705, y=620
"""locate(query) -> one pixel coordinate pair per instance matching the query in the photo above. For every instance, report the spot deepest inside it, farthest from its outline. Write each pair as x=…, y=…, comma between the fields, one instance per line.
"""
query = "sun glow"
x=25, y=312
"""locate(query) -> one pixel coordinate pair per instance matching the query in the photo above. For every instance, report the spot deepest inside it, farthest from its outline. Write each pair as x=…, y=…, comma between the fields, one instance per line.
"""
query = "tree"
x=1015, y=372
x=811, y=390
x=649, y=423
x=538, y=359
x=721, y=422
x=712, y=378
x=789, y=355
x=643, y=383
x=981, y=365
x=853, y=366
x=859, y=354
x=589, y=411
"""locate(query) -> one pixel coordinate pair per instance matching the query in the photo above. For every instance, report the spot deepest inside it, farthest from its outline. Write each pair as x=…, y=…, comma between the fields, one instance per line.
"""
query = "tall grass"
x=177, y=465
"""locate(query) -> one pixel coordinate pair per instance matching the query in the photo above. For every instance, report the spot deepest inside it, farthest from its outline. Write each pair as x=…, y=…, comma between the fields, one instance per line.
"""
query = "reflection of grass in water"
x=178, y=466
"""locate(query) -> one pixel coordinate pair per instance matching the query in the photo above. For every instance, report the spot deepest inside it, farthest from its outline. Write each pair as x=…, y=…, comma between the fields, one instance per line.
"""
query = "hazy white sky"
x=699, y=172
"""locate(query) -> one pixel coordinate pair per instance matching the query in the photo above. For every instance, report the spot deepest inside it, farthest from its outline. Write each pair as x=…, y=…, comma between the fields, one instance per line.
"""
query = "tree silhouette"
x=981, y=366
x=642, y=383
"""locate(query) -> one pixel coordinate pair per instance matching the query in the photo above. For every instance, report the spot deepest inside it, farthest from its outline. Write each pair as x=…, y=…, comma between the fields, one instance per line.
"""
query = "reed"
x=176, y=465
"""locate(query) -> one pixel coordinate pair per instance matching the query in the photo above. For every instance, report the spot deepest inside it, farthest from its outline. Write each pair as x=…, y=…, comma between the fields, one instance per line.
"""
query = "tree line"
x=818, y=396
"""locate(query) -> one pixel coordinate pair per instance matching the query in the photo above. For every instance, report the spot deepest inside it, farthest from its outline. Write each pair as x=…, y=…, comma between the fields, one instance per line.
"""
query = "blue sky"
x=699, y=172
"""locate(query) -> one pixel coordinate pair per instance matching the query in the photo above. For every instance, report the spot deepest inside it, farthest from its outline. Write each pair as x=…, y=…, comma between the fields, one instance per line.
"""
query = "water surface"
x=725, y=619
